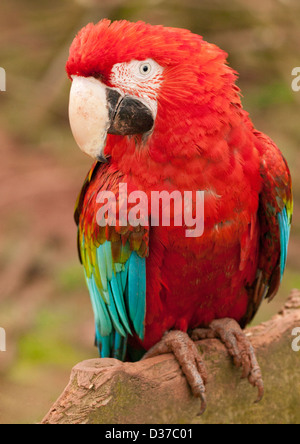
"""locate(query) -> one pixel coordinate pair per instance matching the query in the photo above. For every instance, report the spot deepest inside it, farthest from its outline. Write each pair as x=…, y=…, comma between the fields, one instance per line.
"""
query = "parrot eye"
x=145, y=68
x=136, y=70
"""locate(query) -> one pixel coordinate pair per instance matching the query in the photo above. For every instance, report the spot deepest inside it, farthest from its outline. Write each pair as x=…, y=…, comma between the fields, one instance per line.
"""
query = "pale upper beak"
x=96, y=110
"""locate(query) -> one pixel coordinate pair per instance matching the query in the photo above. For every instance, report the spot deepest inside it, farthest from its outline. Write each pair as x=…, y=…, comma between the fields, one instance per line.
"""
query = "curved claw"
x=258, y=383
x=203, y=405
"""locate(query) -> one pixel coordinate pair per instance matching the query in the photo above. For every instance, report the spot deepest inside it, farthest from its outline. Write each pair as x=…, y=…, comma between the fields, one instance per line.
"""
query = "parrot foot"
x=187, y=355
x=238, y=346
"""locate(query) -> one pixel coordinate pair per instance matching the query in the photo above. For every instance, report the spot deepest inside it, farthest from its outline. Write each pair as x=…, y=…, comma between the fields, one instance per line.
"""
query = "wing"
x=275, y=217
x=114, y=260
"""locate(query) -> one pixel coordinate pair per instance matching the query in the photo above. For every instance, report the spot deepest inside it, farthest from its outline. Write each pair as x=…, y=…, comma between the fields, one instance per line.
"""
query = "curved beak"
x=96, y=110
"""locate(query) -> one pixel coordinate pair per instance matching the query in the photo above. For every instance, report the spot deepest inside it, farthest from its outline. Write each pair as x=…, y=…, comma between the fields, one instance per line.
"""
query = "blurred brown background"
x=44, y=305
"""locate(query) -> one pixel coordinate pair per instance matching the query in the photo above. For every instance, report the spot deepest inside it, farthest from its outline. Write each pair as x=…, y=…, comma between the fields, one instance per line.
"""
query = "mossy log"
x=154, y=391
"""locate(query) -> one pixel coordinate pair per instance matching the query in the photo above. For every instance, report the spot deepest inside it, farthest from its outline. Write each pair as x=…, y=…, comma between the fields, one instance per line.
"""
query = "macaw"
x=158, y=109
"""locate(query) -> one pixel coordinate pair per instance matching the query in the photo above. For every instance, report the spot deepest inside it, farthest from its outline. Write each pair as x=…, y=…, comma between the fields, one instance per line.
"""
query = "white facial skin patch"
x=140, y=79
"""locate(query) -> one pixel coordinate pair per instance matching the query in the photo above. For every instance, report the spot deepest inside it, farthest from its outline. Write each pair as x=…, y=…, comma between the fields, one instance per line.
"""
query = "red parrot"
x=158, y=110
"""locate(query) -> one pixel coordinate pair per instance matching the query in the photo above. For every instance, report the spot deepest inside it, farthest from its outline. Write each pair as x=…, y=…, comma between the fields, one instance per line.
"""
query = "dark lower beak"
x=127, y=114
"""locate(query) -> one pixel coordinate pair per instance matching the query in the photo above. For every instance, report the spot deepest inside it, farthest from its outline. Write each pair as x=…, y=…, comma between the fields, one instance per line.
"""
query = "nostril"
x=98, y=76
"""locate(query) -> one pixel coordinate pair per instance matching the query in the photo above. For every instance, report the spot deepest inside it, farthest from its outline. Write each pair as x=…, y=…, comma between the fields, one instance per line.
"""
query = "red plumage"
x=202, y=140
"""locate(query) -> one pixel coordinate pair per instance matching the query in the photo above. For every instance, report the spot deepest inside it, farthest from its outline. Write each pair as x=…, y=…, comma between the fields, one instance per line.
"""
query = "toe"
x=189, y=359
x=241, y=350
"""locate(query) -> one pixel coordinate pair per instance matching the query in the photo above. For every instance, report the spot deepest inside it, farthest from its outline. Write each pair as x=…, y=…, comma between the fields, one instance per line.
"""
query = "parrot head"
x=137, y=85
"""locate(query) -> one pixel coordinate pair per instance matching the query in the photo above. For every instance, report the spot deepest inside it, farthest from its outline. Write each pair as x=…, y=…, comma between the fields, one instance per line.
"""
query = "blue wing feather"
x=284, y=226
x=121, y=301
x=102, y=317
x=137, y=292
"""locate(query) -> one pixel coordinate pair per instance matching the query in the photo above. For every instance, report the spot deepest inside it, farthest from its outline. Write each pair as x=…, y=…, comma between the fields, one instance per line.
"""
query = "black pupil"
x=145, y=68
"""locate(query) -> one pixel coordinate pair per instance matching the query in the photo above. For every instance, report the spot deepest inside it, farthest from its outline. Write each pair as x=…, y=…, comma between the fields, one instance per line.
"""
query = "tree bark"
x=154, y=391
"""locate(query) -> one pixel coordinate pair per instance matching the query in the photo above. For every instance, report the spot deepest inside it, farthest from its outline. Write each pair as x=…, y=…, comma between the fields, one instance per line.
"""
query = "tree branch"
x=107, y=391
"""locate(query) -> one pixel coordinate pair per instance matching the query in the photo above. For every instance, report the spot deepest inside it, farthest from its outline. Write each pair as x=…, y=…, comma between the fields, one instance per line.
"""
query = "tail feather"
x=111, y=346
